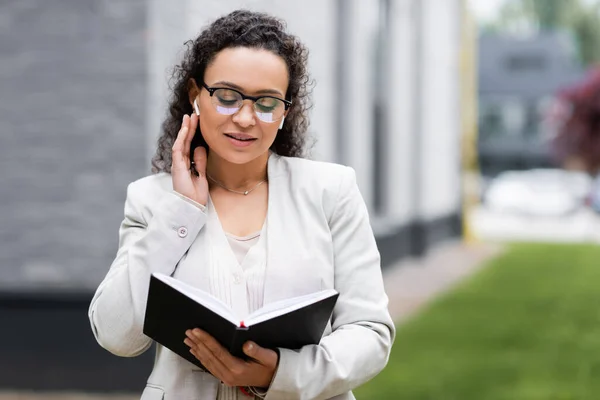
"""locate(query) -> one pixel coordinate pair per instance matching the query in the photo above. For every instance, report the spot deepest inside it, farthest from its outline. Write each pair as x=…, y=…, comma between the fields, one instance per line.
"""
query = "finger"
x=231, y=362
x=178, y=145
x=213, y=364
x=203, y=355
x=191, y=339
x=193, y=123
x=181, y=135
x=263, y=356
x=200, y=160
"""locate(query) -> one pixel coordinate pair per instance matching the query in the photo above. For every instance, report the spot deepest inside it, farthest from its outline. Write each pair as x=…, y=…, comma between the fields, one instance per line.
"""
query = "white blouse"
x=245, y=258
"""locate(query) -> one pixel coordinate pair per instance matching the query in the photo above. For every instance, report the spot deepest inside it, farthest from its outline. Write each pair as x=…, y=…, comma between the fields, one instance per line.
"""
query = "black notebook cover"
x=169, y=313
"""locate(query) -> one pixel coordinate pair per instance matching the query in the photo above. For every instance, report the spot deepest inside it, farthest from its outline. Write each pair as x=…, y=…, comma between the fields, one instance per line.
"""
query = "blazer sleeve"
x=363, y=332
x=118, y=307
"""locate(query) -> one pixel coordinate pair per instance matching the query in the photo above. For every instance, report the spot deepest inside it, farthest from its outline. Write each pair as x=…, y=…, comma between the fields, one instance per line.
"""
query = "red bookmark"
x=246, y=392
x=242, y=325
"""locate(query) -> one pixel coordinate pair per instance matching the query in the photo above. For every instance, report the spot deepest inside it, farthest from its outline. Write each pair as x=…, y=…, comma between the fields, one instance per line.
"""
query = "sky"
x=485, y=10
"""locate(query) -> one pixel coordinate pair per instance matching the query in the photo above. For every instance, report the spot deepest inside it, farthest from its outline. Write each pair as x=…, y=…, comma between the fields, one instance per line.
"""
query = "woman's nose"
x=245, y=116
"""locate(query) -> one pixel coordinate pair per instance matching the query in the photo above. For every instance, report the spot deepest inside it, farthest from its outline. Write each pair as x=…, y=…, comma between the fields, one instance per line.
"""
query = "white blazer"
x=318, y=236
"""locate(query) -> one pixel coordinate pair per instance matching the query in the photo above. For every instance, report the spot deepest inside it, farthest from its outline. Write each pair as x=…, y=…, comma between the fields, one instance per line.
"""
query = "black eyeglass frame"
x=212, y=90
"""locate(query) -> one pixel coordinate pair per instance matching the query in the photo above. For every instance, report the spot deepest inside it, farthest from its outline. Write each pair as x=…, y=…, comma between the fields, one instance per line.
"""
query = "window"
x=525, y=62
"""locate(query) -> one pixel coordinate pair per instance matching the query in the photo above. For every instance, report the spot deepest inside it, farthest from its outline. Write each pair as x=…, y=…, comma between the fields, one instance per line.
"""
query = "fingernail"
x=250, y=347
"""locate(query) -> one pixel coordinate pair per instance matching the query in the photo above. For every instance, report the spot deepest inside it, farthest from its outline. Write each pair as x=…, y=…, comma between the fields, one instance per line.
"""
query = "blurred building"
x=517, y=79
x=85, y=93
x=73, y=135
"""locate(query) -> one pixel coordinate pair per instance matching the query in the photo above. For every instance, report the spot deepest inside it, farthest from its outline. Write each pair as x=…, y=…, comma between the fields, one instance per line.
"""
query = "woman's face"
x=241, y=136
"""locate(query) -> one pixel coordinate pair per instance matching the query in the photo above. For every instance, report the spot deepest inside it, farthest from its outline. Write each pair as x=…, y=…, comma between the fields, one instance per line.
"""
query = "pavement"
x=413, y=283
x=410, y=284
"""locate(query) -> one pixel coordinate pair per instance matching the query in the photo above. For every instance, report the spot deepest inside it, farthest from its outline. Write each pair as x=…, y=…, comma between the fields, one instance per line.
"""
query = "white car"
x=538, y=192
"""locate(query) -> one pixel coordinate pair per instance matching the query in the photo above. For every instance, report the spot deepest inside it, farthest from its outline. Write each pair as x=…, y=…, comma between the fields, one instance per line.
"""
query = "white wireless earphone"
x=196, y=108
x=281, y=125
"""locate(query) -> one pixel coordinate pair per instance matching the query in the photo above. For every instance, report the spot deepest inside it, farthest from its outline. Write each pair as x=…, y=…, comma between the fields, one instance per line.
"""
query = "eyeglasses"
x=229, y=101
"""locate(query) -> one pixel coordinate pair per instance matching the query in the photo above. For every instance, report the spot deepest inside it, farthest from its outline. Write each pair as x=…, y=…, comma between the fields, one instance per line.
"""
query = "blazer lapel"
x=272, y=291
x=287, y=253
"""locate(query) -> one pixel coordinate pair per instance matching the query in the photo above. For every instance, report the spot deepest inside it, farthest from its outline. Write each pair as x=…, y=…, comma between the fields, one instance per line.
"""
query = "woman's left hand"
x=233, y=371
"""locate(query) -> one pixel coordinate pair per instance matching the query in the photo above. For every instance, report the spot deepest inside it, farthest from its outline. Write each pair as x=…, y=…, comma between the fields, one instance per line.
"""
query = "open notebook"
x=174, y=307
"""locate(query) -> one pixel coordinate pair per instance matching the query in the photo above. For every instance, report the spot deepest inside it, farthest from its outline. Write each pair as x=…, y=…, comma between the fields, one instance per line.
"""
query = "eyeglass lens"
x=267, y=109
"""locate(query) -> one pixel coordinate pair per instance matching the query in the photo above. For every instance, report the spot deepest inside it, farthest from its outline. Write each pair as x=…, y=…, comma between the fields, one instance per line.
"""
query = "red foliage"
x=578, y=118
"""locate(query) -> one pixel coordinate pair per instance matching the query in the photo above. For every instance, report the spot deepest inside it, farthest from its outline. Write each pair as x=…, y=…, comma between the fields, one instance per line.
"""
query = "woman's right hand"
x=184, y=179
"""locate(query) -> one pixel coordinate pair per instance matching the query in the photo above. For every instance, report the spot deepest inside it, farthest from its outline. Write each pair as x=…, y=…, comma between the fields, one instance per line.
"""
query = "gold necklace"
x=245, y=193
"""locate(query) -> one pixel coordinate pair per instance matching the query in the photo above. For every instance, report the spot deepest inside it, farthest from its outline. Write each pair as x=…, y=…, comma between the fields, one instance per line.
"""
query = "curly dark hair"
x=241, y=28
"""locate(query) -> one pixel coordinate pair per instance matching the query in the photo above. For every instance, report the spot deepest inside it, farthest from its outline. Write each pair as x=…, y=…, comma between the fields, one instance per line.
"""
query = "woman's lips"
x=240, y=139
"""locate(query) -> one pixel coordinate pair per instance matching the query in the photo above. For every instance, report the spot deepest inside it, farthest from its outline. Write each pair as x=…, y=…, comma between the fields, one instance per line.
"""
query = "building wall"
x=355, y=92
x=404, y=113
x=440, y=112
x=72, y=121
x=73, y=84
x=518, y=79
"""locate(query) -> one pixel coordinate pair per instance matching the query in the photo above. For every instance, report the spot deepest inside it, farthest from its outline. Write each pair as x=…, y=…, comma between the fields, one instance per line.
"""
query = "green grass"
x=526, y=327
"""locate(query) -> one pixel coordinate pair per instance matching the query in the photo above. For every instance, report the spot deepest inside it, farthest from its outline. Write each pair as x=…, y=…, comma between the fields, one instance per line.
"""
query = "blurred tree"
x=576, y=118
x=587, y=31
x=535, y=14
x=551, y=14
x=580, y=18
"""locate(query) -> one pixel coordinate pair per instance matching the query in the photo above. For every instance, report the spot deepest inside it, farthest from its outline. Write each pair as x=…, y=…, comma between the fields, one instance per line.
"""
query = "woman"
x=234, y=210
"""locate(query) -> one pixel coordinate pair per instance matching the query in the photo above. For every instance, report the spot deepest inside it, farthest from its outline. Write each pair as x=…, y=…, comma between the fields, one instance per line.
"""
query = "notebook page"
x=285, y=306
x=202, y=297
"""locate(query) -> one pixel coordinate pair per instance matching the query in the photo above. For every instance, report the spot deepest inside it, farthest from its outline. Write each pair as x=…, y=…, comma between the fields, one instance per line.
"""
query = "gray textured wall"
x=72, y=89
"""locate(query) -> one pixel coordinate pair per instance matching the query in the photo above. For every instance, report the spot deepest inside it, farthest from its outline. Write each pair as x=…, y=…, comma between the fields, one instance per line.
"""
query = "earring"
x=281, y=125
x=196, y=108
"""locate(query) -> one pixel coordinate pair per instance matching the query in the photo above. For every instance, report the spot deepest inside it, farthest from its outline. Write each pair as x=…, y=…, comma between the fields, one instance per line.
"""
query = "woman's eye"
x=267, y=104
x=264, y=108
x=227, y=102
x=226, y=97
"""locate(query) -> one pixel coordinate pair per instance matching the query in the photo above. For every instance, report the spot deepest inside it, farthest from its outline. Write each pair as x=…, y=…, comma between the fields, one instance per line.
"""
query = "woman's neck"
x=236, y=176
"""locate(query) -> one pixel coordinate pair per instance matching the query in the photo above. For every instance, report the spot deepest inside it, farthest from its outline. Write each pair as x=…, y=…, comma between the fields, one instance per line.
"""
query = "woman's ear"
x=193, y=92
x=285, y=114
